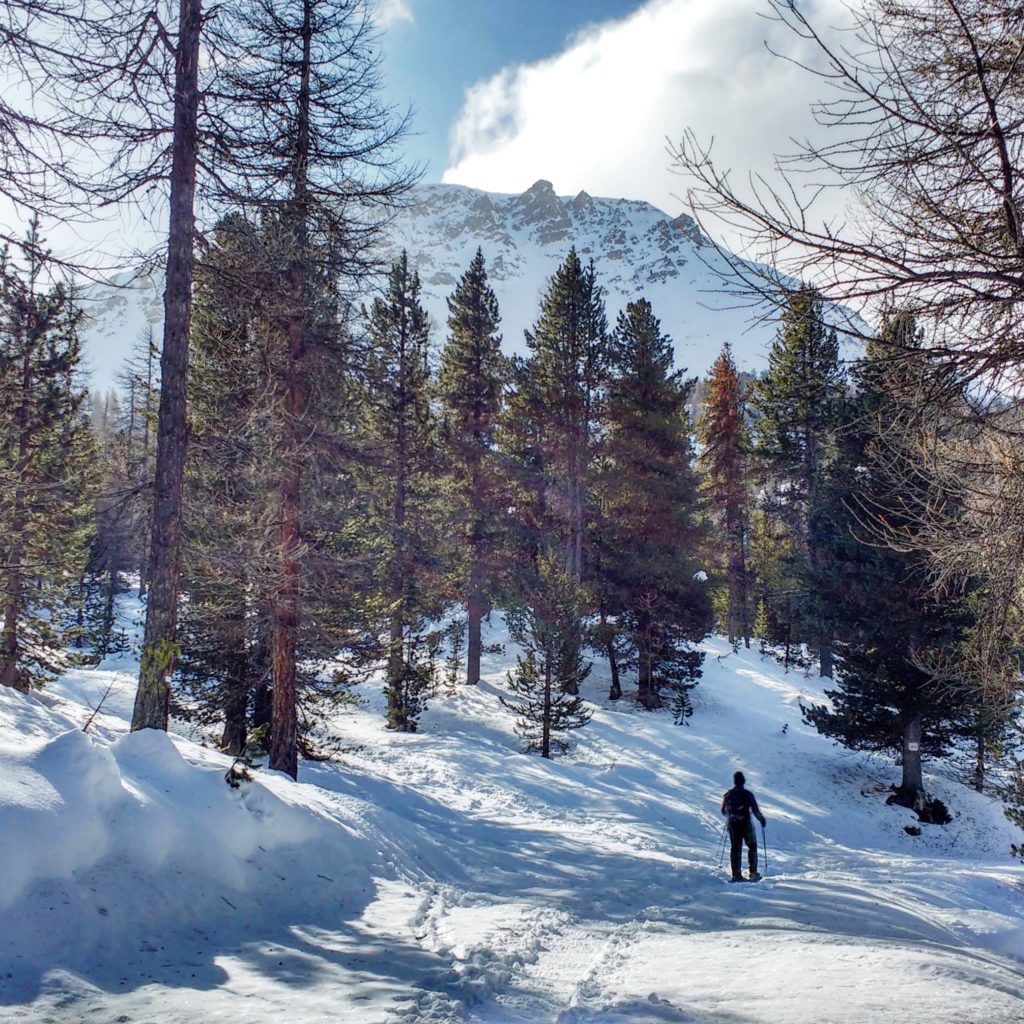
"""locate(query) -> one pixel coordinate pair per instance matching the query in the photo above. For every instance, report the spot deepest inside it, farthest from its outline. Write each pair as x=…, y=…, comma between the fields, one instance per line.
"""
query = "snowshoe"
x=755, y=876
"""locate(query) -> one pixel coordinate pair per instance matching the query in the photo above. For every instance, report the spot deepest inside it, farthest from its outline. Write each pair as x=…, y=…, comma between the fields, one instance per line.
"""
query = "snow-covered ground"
x=445, y=876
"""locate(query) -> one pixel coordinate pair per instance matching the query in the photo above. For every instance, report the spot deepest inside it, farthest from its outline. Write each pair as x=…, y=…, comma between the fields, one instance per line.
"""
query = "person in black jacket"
x=739, y=803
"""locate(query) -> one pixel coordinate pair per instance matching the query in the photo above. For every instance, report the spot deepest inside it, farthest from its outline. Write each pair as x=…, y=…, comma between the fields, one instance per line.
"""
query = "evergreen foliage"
x=888, y=621
x=545, y=684
x=724, y=465
x=471, y=380
x=561, y=386
x=797, y=408
x=650, y=539
x=239, y=417
x=48, y=461
x=403, y=482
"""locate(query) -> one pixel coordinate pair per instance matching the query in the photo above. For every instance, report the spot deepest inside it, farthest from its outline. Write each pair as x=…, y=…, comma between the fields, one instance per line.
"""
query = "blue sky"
x=592, y=95
x=435, y=49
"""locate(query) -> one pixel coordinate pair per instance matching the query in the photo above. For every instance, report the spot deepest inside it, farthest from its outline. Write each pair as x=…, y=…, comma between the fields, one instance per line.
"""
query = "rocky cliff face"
x=637, y=249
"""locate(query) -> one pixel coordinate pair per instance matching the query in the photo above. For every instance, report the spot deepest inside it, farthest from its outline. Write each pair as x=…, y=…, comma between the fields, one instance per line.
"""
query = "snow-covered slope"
x=447, y=877
x=638, y=251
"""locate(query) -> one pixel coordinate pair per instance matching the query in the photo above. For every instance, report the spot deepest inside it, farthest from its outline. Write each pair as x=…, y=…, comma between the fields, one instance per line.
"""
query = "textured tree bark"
x=545, y=728
x=911, y=790
x=234, y=737
x=159, y=648
x=397, y=717
x=476, y=604
x=646, y=693
x=284, y=729
x=10, y=674
x=475, y=608
x=615, y=690
x=284, y=732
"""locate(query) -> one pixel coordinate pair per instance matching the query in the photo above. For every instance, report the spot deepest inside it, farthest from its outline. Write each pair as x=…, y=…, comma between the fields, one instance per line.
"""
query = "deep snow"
x=445, y=876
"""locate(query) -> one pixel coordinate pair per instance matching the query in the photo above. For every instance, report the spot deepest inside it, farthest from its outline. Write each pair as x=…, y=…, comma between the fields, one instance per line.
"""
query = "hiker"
x=739, y=804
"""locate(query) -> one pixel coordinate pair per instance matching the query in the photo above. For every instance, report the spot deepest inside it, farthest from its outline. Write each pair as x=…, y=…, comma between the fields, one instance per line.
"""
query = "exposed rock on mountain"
x=638, y=251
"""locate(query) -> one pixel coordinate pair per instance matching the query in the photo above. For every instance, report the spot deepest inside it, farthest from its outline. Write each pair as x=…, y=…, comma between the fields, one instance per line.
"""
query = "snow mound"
x=56, y=802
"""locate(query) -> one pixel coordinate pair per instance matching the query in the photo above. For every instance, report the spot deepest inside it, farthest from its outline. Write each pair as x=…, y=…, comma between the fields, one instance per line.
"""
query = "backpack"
x=737, y=804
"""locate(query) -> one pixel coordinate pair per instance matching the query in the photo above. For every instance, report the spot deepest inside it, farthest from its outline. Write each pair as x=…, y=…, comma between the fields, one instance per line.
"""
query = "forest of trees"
x=303, y=473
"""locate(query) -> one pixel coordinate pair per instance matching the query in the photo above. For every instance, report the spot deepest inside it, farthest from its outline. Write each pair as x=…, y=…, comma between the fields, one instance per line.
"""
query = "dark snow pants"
x=741, y=832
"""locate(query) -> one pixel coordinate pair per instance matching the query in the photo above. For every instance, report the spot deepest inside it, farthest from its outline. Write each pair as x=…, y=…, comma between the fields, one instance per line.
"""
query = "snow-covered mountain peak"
x=637, y=249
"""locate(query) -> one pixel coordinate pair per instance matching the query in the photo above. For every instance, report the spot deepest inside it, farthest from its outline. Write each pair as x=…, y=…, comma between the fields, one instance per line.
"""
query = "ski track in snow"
x=446, y=878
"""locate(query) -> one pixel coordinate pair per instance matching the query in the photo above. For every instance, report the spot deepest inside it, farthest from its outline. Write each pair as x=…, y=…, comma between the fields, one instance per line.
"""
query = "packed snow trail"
x=446, y=877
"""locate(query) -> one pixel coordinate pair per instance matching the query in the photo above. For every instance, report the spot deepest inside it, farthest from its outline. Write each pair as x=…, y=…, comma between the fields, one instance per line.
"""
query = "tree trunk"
x=475, y=607
x=911, y=791
x=545, y=726
x=159, y=650
x=825, y=661
x=146, y=441
x=646, y=694
x=607, y=635
x=979, y=761
x=397, y=719
x=236, y=687
x=261, y=698
x=284, y=731
x=744, y=588
x=476, y=604
x=10, y=673
x=234, y=738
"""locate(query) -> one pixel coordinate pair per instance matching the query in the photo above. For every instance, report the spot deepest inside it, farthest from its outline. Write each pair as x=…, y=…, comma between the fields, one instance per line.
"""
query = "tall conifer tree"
x=724, y=463
x=47, y=466
x=566, y=371
x=651, y=538
x=797, y=408
x=404, y=483
x=888, y=622
x=548, y=675
x=472, y=376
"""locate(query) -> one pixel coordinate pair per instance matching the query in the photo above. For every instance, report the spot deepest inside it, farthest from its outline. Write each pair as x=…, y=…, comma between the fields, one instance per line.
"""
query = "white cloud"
x=387, y=13
x=597, y=115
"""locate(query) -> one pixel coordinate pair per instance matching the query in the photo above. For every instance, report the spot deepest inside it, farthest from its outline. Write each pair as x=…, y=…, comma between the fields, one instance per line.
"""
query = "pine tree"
x=139, y=381
x=228, y=563
x=650, y=536
x=888, y=622
x=403, y=480
x=47, y=466
x=797, y=407
x=565, y=376
x=110, y=545
x=547, y=677
x=723, y=433
x=472, y=376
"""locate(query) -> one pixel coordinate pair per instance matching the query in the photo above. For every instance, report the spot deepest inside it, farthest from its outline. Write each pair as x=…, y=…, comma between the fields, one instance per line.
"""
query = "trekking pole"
x=721, y=846
x=764, y=844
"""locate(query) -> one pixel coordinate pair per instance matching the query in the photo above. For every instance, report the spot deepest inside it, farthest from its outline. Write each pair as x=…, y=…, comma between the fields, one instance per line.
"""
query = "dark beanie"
x=738, y=778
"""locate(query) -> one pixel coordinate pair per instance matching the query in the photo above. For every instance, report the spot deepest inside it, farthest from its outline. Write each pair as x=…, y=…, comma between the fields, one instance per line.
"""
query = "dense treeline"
x=312, y=487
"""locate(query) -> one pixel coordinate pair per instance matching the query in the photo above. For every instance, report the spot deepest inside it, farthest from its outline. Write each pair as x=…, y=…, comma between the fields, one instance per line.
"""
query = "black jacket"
x=739, y=804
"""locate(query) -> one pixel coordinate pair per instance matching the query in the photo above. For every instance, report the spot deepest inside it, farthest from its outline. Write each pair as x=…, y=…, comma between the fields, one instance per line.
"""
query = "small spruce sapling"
x=547, y=677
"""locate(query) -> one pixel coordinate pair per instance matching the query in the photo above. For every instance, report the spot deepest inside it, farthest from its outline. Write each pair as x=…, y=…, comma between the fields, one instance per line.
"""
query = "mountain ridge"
x=638, y=250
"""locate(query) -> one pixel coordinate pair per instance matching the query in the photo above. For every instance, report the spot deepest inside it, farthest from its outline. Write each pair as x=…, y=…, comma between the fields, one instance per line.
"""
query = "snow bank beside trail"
x=179, y=812
x=68, y=802
x=57, y=800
